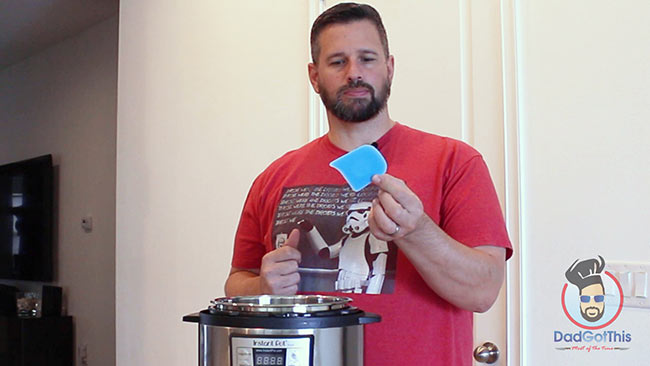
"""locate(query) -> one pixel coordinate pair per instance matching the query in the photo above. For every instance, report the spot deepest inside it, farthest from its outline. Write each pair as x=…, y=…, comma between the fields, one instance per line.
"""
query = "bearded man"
x=436, y=204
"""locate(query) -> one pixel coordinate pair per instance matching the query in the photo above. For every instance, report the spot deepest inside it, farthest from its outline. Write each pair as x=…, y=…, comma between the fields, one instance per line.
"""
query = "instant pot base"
x=330, y=346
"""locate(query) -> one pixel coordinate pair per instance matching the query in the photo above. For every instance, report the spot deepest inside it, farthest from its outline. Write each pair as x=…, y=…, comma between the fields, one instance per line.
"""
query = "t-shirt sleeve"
x=470, y=212
x=249, y=243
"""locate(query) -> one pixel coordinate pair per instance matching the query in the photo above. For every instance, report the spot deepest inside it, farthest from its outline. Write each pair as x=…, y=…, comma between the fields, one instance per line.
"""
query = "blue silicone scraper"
x=359, y=165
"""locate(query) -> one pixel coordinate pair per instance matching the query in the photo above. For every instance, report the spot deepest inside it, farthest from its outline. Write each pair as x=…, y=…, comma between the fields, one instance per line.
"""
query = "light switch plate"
x=636, y=275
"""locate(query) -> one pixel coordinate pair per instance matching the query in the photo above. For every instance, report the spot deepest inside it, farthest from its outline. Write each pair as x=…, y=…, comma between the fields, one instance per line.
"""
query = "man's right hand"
x=279, y=272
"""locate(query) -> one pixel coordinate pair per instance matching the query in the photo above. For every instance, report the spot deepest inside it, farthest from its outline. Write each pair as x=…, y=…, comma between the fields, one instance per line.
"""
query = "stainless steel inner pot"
x=280, y=304
x=301, y=330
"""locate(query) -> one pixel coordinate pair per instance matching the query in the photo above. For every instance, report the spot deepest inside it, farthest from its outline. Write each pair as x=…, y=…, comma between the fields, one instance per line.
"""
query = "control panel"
x=249, y=350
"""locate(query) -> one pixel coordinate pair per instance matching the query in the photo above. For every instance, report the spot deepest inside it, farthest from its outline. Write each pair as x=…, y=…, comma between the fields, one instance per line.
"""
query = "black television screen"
x=26, y=219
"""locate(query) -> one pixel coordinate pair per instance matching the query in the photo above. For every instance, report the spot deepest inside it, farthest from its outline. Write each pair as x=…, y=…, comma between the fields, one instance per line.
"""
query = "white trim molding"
x=466, y=73
x=513, y=181
x=317, y=115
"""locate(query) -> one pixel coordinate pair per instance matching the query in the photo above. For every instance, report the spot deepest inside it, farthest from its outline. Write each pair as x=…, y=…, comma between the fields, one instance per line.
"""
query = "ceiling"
x=29, y=26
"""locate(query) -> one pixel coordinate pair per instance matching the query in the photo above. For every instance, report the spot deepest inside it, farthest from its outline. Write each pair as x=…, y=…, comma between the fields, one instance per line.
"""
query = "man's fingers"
x=288, y=251
x=279, y=269
x=380, y=224
x=280, y=275
x=388, y=183
x=380, y=218
x=292, y=279
x=398, y=190
x=287, y=291
x=293, y=239
x=397, y=210
x=282, y=261
x=393, y=209
x=287, y=267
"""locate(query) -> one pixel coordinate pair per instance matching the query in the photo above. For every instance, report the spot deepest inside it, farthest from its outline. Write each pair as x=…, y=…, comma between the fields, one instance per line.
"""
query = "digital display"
x=269, y=356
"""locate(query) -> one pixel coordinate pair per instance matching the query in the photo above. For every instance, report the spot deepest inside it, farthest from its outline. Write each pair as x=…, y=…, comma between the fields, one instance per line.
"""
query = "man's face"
x=590, y=308
x=352, y=75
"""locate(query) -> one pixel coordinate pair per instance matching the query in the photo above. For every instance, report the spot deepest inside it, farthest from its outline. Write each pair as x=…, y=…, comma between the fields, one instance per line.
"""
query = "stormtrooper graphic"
x=362, y=257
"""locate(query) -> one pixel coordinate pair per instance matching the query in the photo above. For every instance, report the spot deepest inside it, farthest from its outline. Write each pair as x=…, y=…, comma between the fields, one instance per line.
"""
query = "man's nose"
x=354, y=71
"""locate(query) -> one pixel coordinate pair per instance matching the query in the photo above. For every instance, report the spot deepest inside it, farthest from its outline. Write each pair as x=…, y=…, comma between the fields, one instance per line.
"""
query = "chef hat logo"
x=585, y=305
x=585, y=273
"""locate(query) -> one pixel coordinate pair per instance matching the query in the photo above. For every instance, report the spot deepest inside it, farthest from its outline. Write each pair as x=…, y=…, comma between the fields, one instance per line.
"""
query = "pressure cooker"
x=271, y=330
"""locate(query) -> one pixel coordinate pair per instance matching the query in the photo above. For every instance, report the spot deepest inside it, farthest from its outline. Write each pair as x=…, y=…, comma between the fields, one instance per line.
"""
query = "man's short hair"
x=345, y=13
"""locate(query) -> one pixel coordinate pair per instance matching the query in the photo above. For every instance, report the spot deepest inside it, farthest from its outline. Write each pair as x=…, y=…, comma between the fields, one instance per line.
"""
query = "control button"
x=245, y=357
x=292, y=359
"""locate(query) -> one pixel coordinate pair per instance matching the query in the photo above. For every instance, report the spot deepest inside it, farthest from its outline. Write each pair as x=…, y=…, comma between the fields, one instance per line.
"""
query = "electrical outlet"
x=82, y=350
x=87, y=223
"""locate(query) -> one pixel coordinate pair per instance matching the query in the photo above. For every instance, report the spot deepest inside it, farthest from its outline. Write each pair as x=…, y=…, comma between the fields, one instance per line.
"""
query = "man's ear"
x=390, y=66
x=313, y=76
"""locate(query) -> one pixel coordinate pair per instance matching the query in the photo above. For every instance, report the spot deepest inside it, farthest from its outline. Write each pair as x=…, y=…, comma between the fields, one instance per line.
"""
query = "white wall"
x=63, y=102
x=584, y=91
x=206, y=101
x=210, y=93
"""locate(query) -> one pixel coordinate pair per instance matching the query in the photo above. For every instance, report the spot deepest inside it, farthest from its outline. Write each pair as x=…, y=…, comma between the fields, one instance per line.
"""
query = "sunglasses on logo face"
x=587, y=298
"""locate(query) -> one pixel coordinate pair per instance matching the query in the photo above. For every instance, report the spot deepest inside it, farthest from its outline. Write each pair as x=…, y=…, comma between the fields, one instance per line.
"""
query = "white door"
x=448, y=81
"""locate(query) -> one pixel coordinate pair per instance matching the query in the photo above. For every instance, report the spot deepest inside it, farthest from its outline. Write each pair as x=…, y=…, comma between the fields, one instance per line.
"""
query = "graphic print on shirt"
x=339, y=253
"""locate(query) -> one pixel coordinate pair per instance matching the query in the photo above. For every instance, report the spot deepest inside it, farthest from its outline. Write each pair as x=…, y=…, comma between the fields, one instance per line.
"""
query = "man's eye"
x=337, y=62
x=368, y=59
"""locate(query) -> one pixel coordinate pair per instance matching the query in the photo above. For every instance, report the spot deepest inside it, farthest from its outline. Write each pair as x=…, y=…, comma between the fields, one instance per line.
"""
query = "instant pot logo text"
x=587, y=305
x=269, y=343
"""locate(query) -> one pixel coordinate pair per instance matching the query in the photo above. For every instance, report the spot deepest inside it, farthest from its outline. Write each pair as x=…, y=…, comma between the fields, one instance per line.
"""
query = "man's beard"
x=592, y=318
x=357, y=109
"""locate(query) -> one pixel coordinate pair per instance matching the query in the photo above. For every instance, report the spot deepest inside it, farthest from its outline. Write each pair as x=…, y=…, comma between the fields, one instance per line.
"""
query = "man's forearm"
x=469, y=278
x=242, y=282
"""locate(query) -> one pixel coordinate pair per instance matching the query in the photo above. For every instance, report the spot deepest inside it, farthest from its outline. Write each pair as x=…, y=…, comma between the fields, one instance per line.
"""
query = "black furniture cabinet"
x=43, y=341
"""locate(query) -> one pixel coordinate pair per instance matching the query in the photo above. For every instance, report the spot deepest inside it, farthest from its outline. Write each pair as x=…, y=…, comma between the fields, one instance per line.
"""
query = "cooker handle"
x=192, y=318
x=368, y=318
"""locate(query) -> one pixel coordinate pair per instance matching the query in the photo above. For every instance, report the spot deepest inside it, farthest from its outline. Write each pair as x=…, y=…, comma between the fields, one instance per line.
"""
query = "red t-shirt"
x=453, y=183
